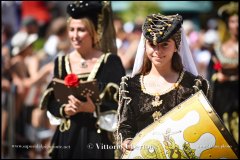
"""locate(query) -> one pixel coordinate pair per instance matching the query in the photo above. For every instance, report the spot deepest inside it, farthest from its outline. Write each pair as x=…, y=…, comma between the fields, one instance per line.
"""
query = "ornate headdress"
x=228, y=9
x=100, y=13
x=158, y=28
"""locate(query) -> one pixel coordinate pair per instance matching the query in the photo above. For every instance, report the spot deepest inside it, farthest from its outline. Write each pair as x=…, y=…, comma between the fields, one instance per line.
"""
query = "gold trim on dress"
x=106, y=57
x=65, y=125
x=51, y=148
x=95, y=68
x=107, y=90
x=67, y=64
x=200, y=104
x=60, y=66
x=43, y=98
x=157, y=101
x=208, y=87
x=122, y=98
x=175, y=85
x=222, y=58
x=84, y=75
x=231, y=122
x=197, y=84
x=92, y=74
x=61, y=111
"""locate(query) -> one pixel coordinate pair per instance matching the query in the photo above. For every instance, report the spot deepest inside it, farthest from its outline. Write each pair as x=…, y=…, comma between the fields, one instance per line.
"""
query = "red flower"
x=71, y=80
x=217, y=66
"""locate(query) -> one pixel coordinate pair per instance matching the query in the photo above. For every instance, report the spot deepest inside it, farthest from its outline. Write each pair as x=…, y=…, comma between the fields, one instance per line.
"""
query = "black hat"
x=100, y=12
x=89, y=9
x=158, y=28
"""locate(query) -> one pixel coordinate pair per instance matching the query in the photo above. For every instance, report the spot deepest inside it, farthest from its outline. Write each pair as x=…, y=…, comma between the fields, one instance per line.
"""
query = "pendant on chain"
x=83, y=64
x=157, y=102
x=156, y=115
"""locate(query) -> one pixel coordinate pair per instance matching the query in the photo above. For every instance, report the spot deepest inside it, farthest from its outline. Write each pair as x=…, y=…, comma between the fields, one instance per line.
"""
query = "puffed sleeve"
x=126, y=117
x=203, y=84
x=48, y=100
x=109, y=82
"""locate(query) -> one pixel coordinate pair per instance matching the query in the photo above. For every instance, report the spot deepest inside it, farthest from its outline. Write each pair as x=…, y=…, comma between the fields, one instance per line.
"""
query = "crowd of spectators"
x=33, y=35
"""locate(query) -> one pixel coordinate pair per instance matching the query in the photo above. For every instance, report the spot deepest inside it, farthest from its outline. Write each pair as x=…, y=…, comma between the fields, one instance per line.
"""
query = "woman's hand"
x=126, y=145
x=221, y=77
x=87, y=106
x=70, y=110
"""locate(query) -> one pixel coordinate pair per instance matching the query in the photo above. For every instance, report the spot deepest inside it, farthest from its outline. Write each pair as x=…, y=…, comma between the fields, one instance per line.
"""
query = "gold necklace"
x=156, y=102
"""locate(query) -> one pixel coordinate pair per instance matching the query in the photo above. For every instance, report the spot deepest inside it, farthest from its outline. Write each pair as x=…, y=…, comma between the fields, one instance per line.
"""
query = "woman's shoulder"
x=129, y=79
x=16, y=60
x=114, y=64
x=60, y=66
x=197, y=82
x=109, y=57
x=130, y=83
x=192, y=79
x=59, y=58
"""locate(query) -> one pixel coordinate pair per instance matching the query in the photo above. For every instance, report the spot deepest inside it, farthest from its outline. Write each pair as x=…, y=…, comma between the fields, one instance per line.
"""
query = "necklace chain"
x=83, y=62
x=157, y=100
x=163, y=92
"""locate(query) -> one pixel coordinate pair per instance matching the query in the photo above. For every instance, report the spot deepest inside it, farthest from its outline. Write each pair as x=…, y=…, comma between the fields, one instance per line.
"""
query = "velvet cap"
x=158, y=28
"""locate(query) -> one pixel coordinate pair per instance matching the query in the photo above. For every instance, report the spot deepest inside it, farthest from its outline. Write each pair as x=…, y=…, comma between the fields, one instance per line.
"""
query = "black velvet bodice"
x=136, y=106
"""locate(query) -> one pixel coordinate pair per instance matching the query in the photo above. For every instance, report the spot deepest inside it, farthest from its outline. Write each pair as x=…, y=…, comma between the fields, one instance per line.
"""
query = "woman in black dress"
x=224, y=64
x=164, y=75
x=91, y=32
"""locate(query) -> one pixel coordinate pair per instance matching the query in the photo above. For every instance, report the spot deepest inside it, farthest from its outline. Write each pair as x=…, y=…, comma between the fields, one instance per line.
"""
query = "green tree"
x=138, y=10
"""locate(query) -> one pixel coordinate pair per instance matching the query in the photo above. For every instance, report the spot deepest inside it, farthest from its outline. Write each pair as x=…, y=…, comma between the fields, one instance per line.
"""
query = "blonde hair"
x=91, y=29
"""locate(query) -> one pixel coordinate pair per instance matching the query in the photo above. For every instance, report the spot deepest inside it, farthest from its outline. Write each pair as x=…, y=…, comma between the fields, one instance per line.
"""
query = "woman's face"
x=161, y=54
x=79, y=35
x=233, y=25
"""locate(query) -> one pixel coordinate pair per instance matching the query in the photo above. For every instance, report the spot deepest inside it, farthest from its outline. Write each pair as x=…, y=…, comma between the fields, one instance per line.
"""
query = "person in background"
x=25, y=75
x=40, y=10
x=225, y=78
x=6, y=86
x=127, y=43
x=164, y=75
x=58, y=34
x=29, y=25
x=92, y=35
x=11, y=16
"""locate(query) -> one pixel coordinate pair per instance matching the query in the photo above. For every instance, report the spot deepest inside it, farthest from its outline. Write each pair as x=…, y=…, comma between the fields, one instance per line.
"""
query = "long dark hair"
x=176, y=63
x=147, y=65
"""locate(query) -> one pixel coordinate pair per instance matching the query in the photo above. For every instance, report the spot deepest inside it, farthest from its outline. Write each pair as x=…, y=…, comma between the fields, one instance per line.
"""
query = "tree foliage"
x=139, y=10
